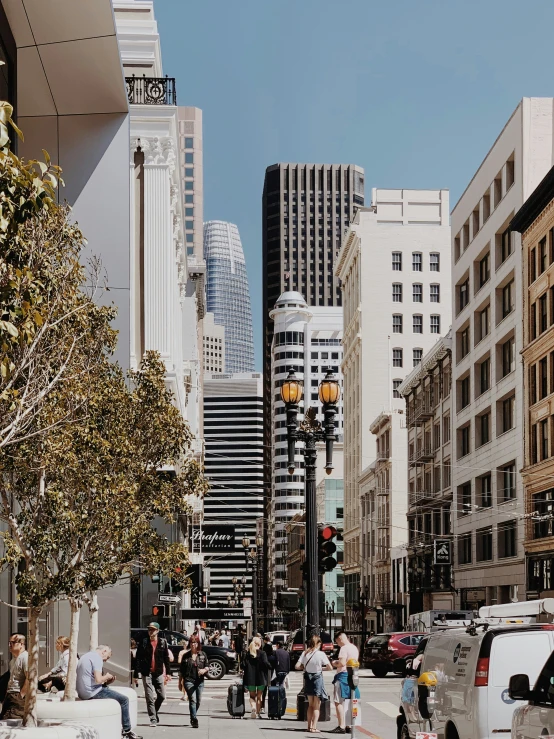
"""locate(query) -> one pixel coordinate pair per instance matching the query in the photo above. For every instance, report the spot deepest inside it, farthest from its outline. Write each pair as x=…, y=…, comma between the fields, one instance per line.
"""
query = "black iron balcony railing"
x=151, y=90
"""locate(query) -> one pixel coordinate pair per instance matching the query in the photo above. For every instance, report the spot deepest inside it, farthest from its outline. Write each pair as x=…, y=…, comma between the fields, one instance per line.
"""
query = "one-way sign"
x=443, y=552
x=168, y=598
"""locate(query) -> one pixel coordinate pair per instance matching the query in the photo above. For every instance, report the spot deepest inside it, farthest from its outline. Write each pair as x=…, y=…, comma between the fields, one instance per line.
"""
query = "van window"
x=381, y=640
x=544, y=689
x=515, y=653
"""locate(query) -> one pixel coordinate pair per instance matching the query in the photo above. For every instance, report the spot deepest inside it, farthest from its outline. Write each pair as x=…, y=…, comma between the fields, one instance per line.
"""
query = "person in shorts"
x=313, y=661
x=347, y=651
x=255, y=678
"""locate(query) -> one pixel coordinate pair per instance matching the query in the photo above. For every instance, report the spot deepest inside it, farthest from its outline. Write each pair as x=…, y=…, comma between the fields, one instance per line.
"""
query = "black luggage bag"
x=276, y=701
x=235, y=700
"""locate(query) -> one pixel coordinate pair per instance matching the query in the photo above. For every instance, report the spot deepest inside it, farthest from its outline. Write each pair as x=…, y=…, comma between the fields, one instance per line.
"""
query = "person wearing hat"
x=154, y=665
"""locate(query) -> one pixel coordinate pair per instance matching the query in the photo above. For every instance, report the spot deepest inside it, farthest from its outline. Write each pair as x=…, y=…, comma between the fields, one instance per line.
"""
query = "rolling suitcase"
x=325, y=710
x=235, y=700
x=301, y=706
x=276, y=701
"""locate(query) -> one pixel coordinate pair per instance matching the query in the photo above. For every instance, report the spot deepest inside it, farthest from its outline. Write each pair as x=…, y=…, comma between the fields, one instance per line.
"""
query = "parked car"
x=535, y=718
x=221, y=660
x=471, y=668
x=296, y=644
x=385, y=653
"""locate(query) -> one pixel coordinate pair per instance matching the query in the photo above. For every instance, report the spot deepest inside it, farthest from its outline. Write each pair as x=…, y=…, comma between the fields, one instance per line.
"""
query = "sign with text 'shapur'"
x=214, y=538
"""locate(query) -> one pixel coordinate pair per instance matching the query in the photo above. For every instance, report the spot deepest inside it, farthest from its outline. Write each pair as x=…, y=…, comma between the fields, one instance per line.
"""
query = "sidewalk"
x=215, y=722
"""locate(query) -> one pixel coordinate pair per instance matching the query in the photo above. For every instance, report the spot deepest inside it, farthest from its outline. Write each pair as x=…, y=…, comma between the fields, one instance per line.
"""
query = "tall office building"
x=233, y=432
x=487, y=332
x=306, y=209
x=307, y=340
x=227, y=293
x=214, y=345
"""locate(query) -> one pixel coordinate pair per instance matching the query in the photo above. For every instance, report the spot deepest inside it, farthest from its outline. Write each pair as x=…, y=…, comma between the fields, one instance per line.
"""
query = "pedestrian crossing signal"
x=158, y=611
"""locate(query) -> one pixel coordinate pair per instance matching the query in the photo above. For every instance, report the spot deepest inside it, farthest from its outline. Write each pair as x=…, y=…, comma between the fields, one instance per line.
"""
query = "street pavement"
x=379, y=707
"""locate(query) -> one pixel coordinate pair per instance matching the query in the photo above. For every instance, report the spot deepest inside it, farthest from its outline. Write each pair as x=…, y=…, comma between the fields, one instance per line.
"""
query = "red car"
x=382, y=650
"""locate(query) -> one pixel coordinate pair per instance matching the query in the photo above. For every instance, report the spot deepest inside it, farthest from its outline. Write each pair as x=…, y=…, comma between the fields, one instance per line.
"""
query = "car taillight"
x=297, y=648
x=482, y=672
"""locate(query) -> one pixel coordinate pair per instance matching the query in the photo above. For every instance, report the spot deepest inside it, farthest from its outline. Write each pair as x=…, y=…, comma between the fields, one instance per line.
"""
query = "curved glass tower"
x=227, y=293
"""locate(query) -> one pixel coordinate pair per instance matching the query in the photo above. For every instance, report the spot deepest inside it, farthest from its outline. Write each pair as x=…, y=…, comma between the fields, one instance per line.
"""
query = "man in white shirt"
x=347, y=652
x=225, y=639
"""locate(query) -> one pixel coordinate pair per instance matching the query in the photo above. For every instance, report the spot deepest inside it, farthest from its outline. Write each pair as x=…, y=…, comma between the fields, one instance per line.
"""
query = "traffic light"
x=326, y=547
x=159, y=611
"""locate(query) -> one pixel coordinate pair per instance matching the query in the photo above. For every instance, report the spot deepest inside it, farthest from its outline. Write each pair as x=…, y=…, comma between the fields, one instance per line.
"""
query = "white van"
x=472, y=667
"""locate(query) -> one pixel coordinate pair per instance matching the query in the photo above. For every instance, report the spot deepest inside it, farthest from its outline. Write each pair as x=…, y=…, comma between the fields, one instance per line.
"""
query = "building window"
x=485, y=428
x=397, y=324
x=543, y=431
x=397, y=261
x=417, y=324
x=189, y=143
x=435, y=324
x=485, y=491
x=189, y=212
x=543, y=313
x=506, y=245
x=189, y=185
x=464, y=392
x=543, y=377
x=395, y=385
x=463, y=442
x=483, y=541
x=484, y=375
x=417, y=293
x=484, y=322
x=464, y=499
x=508, y=357
x=435, y=293
x=397, y=292
x=507, y=410
x=507, y=299
x=189, y=171
x=189, y=157
x=464, y=549
x=543, y=256
x=464, y=342
x=189, y=199
x=543, y=507
x=397, y=357
x=484, y=269
x=507, y=482
x=463, y=294
x=446, y=428
x=189, y=238
x=417, y=261
x=507, y=539
x=434, y=261
x=417, y=355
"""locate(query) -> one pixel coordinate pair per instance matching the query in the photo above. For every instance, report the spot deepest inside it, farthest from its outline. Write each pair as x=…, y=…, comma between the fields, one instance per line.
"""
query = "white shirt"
x=225, y=640
x=314, y=661
x=62, y=664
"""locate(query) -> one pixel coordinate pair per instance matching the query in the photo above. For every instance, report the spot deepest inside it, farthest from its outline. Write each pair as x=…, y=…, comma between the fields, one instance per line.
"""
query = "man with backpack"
x=154, y=665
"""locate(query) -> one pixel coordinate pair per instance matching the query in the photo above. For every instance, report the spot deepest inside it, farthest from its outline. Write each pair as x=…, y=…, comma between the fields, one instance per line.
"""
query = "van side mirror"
x=519, y=689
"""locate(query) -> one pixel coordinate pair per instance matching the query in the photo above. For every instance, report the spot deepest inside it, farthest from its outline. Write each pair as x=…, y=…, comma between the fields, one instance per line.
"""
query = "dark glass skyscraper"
x=228, y=294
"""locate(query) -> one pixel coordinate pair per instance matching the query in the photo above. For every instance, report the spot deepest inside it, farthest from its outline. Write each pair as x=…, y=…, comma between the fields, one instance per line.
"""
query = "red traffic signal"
x=326, y=548
x=328, y=532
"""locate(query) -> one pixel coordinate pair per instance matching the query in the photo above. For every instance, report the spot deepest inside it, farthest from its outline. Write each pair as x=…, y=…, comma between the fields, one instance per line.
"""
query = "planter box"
x=102, y=715
x=50, y=732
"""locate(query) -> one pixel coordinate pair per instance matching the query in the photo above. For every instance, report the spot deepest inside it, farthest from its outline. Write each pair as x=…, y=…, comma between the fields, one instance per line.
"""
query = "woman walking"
x=313, y=661
x=193, y=667
x=256, y=670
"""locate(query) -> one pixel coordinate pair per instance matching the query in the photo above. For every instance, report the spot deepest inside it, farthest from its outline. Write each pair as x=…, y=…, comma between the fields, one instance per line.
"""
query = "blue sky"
x=413, y=91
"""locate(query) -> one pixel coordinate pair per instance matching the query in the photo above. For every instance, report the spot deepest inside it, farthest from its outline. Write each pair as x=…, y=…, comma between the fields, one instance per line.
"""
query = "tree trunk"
x=93, y=614
x=69, y=693
x=30, y=711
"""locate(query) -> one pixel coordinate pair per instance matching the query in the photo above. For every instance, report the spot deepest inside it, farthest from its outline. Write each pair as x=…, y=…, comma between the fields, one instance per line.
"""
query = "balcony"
x=421, y=411
x=421, y=454
x=151, y=90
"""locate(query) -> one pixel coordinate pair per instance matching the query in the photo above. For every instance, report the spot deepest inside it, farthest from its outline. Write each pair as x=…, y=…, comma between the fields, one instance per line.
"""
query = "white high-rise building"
x=487, y=369
x=308, y=340
x=214, y=345
x=394, y=267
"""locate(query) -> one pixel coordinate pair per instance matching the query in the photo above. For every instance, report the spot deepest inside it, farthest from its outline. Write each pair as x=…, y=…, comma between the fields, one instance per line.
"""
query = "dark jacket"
x=282, y=661
x=161, y=657
x=256, y=669
x=189, y=668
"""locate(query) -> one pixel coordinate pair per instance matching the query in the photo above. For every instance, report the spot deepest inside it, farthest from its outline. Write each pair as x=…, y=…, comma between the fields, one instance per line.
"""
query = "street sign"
x=443, y=552
x=164, y=598
x=247, y=607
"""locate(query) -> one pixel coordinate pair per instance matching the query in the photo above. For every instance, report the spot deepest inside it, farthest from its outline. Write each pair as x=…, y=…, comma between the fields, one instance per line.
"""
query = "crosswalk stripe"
x=389, y=709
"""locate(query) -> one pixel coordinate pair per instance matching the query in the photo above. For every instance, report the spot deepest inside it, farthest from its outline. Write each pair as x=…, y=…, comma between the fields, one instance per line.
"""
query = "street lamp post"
x=310, y=432
x=251, y=556
x=363, y=598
